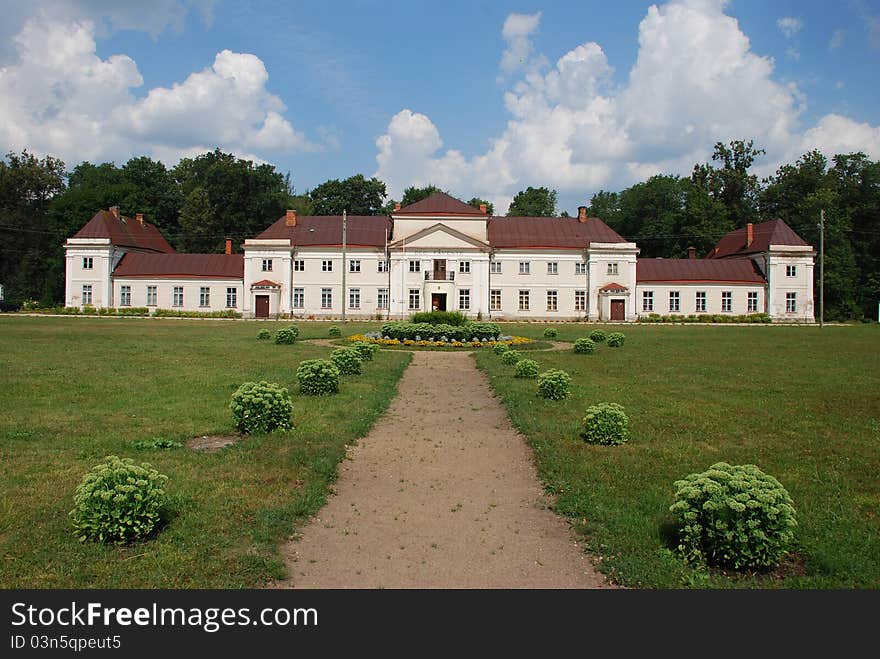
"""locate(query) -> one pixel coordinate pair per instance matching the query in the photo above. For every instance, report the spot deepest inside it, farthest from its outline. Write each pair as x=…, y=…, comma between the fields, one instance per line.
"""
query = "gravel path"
x=441, y=494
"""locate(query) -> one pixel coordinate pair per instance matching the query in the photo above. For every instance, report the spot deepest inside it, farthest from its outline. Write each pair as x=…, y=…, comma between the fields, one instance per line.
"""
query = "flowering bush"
x=733, y=516
x=264, y=334
x=261, y=407
x=286, y=335
x=550, y=333
x=417, y=331
x=318, y=377
x=526, y=368
x=598, y=336
x=511, y=357
x=616, y=339
x=554, y=384
x=500, y=348
x=605, y=423
x=584, y=346
x=347, y=361
x=365, y=350
x=119, y=502
x=334, y=331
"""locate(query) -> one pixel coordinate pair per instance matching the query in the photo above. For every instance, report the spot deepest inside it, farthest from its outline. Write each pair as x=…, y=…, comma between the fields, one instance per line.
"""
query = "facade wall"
x=192, y=289
x=104, y=258
x=739, y=296
x=782, y=282
x=476, y=227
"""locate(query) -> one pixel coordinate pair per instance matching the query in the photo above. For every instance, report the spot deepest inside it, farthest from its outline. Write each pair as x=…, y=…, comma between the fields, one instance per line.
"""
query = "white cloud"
x=696, y=81
x=789, y=26
x=838, y=134
x=60, y=97
x=516, y=32
x=837, y=39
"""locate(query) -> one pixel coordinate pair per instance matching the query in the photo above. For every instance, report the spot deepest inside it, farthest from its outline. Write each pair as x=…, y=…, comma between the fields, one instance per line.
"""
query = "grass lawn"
x=801, y=403
x=74, y=390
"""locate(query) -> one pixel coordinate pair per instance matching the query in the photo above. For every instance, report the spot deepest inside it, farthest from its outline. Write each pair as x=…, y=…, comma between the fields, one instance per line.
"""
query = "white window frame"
x=495, y=299
x=415, y=299
x=647, y=301
x=382, y=301
x=382, y=265
x=791, y=271
x=299, y=265
x=415, y=265
x=674, y=301
x=231, y=297
x=152, y=296
x=580, y=300
x=267, y=265
x=354, y=298
x=326, y=298
x=354, y=265
x=299, y=298
x=752, y=301
x=125, y=296
x=552, y=300
x=88, y=263
x=726, y=301
x=327, y=265
x=524, y=299
x=177, y=296
x=791, y=302
x=612, y=269
x=464, y=299
x=87, y=294
x=524, y=268
x=580, y=268
x=204, y=296
x=464, y=267
x=700, y=302
x=494, y=267
x=552, y=267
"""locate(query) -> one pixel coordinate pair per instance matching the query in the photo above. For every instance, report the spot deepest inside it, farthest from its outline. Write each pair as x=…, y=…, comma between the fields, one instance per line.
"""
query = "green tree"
x=533, y=202
x=606, y=206
x=413, y=194
x=197, y=221
x=476, y=201
x=731, y=183
x=356, y=195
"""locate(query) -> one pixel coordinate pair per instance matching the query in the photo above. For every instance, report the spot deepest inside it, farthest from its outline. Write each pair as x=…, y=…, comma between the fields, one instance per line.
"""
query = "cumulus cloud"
x=60, y=97
x=695, y=81
x=838, y=134
x=517, y=31
x=789, y=26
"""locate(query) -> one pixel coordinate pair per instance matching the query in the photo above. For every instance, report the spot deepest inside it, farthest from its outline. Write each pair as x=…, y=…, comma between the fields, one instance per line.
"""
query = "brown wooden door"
x=618, y=309
x=262, y=309
x=440, y=269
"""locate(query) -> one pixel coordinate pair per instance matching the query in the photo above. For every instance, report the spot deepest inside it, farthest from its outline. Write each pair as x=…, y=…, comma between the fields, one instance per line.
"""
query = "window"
x=495, y=300
x=382, y=298
x=753, y=301
x=354, y=265
x=726, y=301
x=580, y=268
x=523, y=267
x=674, y=301
x=552, y=268
x=326, y=297
x=414, y=301
x=231, y=297
x=791, y=303
x=791, y=271
x=523, y=300
x=464, y=267
x=267, y=265
x=299, y=265
x=354, y=298
x=580, y=300
x=88, y=263
x=495, y=267
x=87, y=293
x=178, y=297
x=204, y=296
x=612, y=268
x=647, y=300
x=464, y=299
x=701, y=301
x=299, y=298
x=125, y=296
x=151, y=296
x=552, y=301
x=326, y=266
x=382, y=266
x=415, y=266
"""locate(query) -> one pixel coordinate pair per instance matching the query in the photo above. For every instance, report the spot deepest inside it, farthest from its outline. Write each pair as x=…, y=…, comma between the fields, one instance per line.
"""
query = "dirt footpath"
x=441, y=494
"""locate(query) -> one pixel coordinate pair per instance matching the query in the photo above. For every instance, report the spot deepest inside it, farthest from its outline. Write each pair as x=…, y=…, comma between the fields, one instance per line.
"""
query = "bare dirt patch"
x=442, y=493
x=212, y=443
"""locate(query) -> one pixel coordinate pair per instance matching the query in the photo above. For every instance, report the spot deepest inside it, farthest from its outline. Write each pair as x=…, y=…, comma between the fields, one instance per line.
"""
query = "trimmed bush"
x=500, y=348
x=261, y=407
x=511, y=357
x=733, y=516
x=526, y=368
x=318, y=377
x=347, y=360
x=554, y=384
x=403, y=331
x=264, y=334
x=365, y=350
x=119, y=502
x=334, y=331
x=454, y=318
x=286, y=335
x=605, y=423
x=584, y=346
x=550, y=333
x=598, y=336
x=615, y=339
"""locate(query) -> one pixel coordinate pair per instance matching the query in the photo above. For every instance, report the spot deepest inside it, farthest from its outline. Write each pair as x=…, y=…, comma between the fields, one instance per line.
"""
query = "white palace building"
x=440, y=253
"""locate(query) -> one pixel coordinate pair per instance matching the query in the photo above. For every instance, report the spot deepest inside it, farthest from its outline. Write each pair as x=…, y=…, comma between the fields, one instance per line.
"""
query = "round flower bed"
x=498, y=345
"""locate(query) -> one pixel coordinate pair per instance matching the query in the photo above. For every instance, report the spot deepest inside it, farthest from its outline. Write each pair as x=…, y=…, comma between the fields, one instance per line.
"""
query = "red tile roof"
x=125, y=232
x=774, y=232
x=439, y=203
x=613, y=286
x=698, y=270
x=537, y=232
x=207, y=266
x=326, y=230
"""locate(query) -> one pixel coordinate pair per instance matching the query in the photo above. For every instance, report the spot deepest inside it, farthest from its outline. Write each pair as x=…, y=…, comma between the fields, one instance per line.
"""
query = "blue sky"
x=480, y=98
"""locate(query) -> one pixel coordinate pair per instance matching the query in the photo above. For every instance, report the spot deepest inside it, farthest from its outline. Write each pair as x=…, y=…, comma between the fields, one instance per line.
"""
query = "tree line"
x=206, y=199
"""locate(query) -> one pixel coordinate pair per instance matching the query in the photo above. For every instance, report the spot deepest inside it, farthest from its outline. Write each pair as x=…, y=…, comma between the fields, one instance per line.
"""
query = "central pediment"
x=440, y=236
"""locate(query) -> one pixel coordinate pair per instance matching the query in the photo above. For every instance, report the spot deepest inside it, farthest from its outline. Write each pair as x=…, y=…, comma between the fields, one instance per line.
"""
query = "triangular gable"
x=439, y=236
x=440, y=203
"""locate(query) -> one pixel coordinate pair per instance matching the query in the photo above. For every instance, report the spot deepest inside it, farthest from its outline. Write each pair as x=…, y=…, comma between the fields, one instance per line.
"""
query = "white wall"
x=779, y=283
x=407, y=226
x=688, y=298
x=104, y=257
x=191, y=292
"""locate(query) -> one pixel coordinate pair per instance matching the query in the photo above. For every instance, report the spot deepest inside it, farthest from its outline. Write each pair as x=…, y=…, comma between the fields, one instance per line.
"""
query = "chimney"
x=750, y=235
x=582, y=213
x=140, y=218
x=483, y=209
x=397, y=205
x=228, y=246
x=290, y=218
x=692, y=253
x=115, y=211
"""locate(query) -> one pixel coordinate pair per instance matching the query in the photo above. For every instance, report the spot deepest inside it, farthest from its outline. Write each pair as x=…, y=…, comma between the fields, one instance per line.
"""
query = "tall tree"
x=731, y=183
x=533, y=202
x=197, y=221
x=356, y=195
x=476, y=202
x=413, y=194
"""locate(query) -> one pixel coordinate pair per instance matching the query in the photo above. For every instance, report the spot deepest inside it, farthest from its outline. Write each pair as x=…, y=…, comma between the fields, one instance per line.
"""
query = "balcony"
x=439, y=275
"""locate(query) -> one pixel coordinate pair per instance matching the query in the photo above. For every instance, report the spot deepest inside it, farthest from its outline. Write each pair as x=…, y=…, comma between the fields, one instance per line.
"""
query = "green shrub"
x=261, y=407
x=454, y=318
x=318, y=377
x=286, y=335
x=157, y=443
x=584, y=346
x=334, y=331
x=119, y=502
x=550, y=333
x=511, y=357
x=414, y=331
x=526, y=368
x=554, y=384
x=347, y=361
x=264, y=334
x=605, y=423
x=500, y=348
x=733, y=516
x=365, y=350
x=598, y=336
x=180, y=313
x=615, y=339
